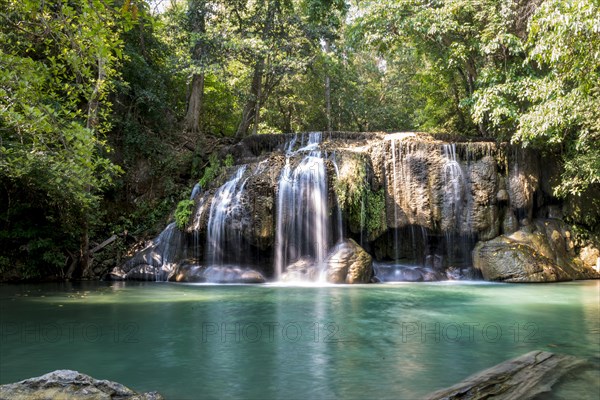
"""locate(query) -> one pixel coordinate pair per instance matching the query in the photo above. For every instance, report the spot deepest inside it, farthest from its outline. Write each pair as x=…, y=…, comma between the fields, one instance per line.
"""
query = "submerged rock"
x=349, y=263
x=541, y=252
x=68, y=384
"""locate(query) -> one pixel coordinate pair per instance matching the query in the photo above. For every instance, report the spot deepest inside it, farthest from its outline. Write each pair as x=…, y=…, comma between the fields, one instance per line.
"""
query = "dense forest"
x=110, y=109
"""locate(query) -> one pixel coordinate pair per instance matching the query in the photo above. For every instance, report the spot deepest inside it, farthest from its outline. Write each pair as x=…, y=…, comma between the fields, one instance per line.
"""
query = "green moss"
x=183, y=213
x=363, y=208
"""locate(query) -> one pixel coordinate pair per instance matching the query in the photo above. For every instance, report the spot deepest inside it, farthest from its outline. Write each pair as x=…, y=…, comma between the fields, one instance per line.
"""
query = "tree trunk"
x=252, y=107
x=197, y=13
x=195, y=100
x=327, y=91
x=94, y=101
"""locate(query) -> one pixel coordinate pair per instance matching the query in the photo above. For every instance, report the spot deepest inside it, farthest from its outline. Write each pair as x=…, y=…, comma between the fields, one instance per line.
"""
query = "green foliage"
x=229, y=161
x=57, y=62
x=183, y=213
x=212, y=171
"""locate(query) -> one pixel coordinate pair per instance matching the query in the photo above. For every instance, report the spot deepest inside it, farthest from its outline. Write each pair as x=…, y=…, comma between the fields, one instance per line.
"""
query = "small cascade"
x=168, y=246
x=195, y=190
x=302, y=213
x=223, y=239
x=454, y=197
x=454, y=182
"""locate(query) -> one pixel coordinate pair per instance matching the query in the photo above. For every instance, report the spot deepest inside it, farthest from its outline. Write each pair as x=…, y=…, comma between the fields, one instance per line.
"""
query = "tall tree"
x=326, y=18
x=57, y=61
x=197, y=14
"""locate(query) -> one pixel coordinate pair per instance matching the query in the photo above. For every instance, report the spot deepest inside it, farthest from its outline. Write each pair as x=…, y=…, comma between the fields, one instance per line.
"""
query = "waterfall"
x=453, y=195
x=302, y=213
x=453, y=179
x=168, y=251
x=395, y=188
x=222, y=238
x=195, y=190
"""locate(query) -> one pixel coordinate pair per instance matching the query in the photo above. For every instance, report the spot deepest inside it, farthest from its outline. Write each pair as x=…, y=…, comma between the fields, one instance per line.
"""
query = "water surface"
x=269, y=341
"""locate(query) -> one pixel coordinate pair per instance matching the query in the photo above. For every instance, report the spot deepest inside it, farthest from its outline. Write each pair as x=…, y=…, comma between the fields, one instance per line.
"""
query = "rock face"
x=349, y=263
x=407, y=198
x=524, y=377
x=67, y=384
x=542, y=252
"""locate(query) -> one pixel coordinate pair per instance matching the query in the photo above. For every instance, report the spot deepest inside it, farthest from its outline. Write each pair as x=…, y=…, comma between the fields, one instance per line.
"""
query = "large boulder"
x=349, y=263
x=67, y=384
x=540, y=252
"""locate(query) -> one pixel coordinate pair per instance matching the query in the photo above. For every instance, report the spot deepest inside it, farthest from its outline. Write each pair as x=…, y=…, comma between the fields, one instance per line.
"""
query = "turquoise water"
x=267, y=341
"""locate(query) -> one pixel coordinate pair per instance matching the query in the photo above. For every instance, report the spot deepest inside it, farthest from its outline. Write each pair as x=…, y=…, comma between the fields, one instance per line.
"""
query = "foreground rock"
x=540, y=252
x=524, y=377
x=67, y=384
x=349, y=263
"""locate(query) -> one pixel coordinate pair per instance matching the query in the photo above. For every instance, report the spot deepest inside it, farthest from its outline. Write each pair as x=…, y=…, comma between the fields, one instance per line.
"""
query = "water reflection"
x=276, y=341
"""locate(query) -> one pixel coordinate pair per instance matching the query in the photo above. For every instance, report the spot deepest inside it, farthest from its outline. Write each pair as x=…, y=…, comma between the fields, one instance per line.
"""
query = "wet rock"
x=502, y=195
x=67, y=384
x=523, y=181
x=188, y=273
x=303, y=269
x=251, y=276
x=509, y=223
x=541, y=253
x=232, y=274
x=144, y=272
x=349, y=263
x=406, y=273
x=590, y=256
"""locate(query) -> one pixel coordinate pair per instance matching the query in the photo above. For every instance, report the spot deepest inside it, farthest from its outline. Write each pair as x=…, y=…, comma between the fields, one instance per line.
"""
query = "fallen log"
x=104, y=244
x=523, y=377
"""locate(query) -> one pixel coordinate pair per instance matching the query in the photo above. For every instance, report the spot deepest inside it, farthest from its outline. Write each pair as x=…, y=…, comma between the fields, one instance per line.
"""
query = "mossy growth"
x=215, y=168
x=363, y=208
x=211, y=171
x=183, y=213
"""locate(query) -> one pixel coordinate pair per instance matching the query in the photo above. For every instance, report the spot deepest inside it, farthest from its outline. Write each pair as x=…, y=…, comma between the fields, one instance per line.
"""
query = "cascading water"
x=454, y=182
x=454, y=197
x=167, y=243
x=302, y=212
x=395, y=188
x=222, y=239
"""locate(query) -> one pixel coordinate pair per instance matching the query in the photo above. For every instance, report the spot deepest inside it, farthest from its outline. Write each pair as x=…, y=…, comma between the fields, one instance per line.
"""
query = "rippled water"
x=267, y=341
